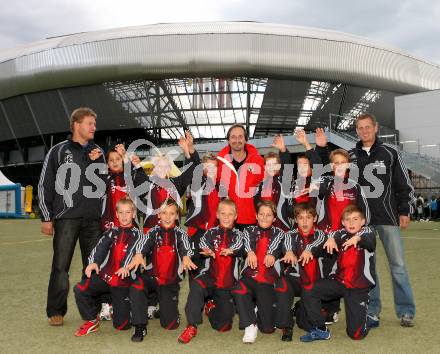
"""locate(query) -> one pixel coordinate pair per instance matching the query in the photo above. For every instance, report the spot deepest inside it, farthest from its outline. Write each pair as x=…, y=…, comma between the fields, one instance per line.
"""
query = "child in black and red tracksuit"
x=353, y=279
x=336, y=192
x=217, y=281
x=160, y=186
x=202, y=208
x=170, y=252
x=255, y=288
x=106, y=262
x=303, y=246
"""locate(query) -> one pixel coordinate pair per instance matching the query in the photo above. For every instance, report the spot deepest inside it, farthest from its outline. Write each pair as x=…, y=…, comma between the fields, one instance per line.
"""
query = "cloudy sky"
x=413, y=25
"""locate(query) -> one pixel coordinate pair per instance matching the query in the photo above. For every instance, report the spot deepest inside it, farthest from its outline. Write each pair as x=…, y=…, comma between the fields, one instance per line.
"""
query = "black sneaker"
x=287, y=334
x=139, y=333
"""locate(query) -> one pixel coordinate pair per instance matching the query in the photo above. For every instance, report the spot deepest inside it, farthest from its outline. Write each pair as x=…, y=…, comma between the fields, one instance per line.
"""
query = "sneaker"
x=250, y=334
x=372, y=321
x=331, y=318
x=189, y=333
x=152, y=312
x=315, y=334
x=287, y=334
x=209, y=306
x=106, y=313
x=139, y=333
x=87, y=327
x=56, y=320
x=407, y=321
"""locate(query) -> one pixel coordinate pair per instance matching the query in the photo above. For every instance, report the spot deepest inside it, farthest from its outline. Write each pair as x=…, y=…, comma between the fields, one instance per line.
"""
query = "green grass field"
x=25, y=259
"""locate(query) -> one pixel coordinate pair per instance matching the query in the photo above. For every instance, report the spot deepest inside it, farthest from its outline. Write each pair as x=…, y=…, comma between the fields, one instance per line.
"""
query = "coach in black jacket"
x=389, y=209
x=71, y=204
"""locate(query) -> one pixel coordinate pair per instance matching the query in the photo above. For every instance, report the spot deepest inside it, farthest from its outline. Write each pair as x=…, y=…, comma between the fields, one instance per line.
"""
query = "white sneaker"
x=250, y=334
x=106, y=313
x=151, y=311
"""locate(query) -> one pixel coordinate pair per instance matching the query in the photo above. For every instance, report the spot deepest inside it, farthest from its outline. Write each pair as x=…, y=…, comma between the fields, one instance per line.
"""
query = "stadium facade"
x=154, y=81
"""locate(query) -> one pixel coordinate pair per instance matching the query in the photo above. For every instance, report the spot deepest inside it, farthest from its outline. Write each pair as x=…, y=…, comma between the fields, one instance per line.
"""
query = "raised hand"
x=301, y=137
x=278, y=143
x=95, y=154
x=320, y=137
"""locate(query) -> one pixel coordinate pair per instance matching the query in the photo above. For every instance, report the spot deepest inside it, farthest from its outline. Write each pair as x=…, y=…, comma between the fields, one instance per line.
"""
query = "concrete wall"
x=418, y=119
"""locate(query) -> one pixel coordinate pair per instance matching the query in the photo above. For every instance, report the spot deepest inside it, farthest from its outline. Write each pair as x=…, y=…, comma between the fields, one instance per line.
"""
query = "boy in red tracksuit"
x=271, y=187
x=202, y=209
x=170, y=252
x=353, y=279
x=303, y=246
x=336, y=193
x=116, y=187
x=256, y=285
x=105, y=273
x=217, y=281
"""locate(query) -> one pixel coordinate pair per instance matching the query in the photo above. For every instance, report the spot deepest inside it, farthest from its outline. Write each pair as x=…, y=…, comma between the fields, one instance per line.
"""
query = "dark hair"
x=78, y=115
x=267, y=203
x=304, y=207
x=237, y=126
x=303, y=156
x=272, y=155
x=350, y=209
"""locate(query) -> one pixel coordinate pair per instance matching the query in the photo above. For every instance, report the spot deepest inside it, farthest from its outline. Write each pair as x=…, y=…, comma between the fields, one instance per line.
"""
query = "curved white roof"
x=212, y=49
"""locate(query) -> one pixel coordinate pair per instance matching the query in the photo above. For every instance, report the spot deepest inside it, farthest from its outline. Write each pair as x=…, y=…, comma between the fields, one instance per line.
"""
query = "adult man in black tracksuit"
x=389, y=209
x=70, y=204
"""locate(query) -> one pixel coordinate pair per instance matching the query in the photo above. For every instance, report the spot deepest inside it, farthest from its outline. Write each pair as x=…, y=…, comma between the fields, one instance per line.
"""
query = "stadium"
x=154, y=82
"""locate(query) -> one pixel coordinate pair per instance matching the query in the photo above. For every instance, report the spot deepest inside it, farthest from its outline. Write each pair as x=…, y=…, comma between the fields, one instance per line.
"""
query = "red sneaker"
x=209, y=306
x=87, y=327
x=187, y=335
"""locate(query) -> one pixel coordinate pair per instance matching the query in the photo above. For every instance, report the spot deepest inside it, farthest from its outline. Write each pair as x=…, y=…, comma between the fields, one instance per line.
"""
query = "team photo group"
x=277, y=241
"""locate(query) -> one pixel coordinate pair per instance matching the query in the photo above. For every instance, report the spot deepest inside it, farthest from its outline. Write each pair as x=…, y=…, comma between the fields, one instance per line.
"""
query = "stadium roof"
x=225, y=49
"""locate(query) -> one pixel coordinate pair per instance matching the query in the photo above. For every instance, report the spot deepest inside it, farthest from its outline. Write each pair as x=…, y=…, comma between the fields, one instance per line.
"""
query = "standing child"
x=217, y=281
x=202, y=210
x=255, y=288
x=170, y=252
x=105, y=273
x=305, y=244
x=352, y=281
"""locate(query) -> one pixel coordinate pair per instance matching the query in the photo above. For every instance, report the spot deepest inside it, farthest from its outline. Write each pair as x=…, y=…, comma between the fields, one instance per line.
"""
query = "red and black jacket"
x=298, y=242
x=336, y=194
x=355, y=267
x=160, y=189
x=111, y=251
x=165, y=248
x=223, y=269
x=241, y=185
x=202, y=211
x=263, y=242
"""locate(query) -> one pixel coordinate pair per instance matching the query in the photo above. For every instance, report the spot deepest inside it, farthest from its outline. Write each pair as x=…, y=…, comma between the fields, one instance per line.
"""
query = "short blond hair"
x=341, y=152
x=227, y=202
x=79, y=114
x=125, y=201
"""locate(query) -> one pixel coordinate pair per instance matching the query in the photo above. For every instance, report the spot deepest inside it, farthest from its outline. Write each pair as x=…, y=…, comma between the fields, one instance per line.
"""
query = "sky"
x=412, y=25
